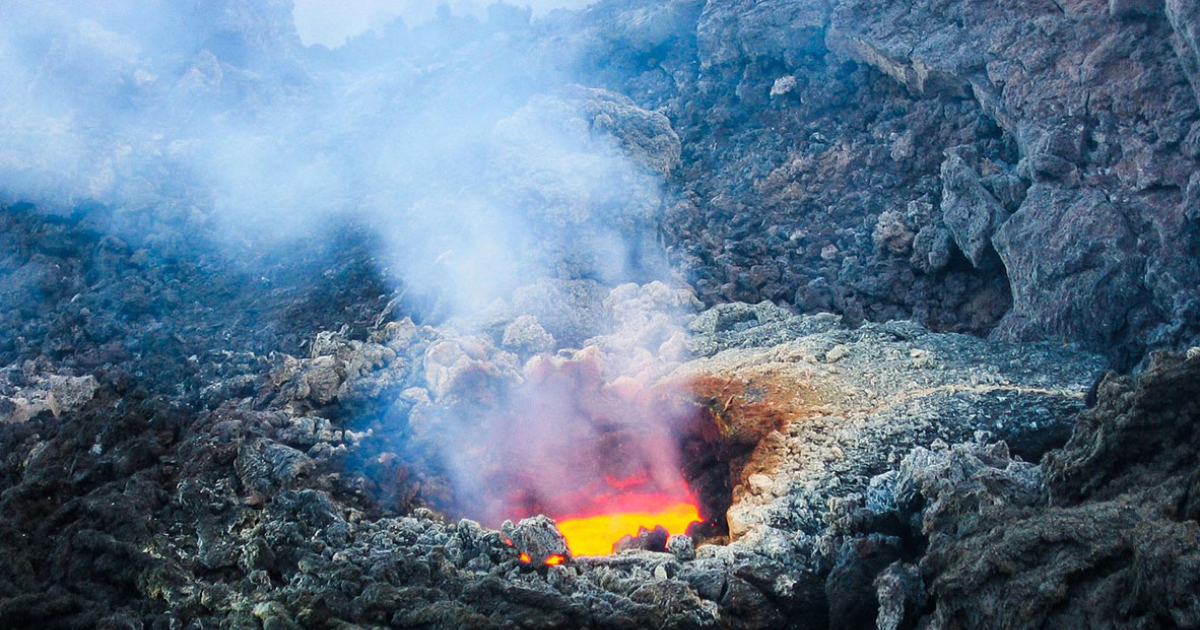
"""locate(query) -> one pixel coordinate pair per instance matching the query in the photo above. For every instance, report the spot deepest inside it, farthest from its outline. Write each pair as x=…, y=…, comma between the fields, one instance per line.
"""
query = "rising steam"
x=455, y=134
x=451, y=138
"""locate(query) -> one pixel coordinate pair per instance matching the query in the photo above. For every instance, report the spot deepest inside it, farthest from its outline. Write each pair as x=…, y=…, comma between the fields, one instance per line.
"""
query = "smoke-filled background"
x=466, y=150
x=331, y=24
x=452, y=138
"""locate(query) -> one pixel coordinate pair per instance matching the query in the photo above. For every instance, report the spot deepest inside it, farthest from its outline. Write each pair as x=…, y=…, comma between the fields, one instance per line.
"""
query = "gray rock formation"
x=1104, y=194
x=1089, y=289
x=1088, y=106
x=263, y=510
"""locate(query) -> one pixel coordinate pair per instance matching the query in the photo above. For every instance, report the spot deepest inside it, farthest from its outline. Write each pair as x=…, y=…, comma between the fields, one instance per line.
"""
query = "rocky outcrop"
x=1090, y=290
x=804, y=147
x=730, y=33
x=970, y=211
x=1078, y=125
x=1102, y=532
x=37, y=393
x=1069, y=131
x=839, y=405
x=1185, y=20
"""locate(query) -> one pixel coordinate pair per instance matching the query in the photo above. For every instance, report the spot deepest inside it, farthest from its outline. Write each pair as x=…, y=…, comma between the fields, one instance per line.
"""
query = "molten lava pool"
x=595, y=535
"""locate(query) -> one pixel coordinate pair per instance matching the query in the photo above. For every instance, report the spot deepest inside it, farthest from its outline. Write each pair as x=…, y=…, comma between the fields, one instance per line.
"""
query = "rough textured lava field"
x=622, y=314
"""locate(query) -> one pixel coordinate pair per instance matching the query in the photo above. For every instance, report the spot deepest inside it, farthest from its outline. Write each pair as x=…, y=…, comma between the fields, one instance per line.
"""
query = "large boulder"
x=1074, y=266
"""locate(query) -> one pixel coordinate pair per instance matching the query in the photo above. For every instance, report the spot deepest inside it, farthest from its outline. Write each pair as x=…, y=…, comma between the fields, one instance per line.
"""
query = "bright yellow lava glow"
x=595, y=535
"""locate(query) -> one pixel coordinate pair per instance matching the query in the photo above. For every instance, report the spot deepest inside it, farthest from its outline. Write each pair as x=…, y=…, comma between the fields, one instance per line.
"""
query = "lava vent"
x=615, y=462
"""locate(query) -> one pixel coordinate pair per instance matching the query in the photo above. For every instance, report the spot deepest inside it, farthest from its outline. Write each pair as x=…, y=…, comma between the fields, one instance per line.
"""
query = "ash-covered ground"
x=917, y=281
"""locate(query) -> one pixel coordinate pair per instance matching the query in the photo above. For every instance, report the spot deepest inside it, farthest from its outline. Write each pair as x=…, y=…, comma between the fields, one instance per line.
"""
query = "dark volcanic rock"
x=850, y=587
x=536, y=537
x=970, y=211
x=804, y=125
x=1097, y=107
x=1102, y=533
x=1081, y=279
x=646, y=540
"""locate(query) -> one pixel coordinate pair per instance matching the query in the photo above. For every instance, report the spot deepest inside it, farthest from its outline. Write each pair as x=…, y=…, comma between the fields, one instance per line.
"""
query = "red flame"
x=595, y=533
x=600, y=455
x=627, y=483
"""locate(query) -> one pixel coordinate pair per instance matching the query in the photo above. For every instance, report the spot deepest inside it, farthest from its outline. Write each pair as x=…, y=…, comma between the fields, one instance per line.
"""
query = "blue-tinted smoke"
x=456, y=140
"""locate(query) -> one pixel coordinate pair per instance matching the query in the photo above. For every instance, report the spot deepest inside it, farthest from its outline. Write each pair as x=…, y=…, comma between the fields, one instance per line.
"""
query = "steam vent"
x=611, y=314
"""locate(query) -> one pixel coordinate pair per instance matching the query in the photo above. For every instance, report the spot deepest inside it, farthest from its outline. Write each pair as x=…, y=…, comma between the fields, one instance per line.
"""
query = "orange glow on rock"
x=524, y=557
x=595, y=535
x=554, y=560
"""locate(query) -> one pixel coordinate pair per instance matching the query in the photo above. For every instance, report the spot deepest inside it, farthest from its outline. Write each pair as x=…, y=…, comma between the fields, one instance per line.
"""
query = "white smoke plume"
x=331, y=24
x=450, y=137
x=451, y=131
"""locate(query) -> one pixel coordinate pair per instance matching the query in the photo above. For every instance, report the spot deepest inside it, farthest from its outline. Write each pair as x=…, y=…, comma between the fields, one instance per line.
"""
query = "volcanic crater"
x=629, y=314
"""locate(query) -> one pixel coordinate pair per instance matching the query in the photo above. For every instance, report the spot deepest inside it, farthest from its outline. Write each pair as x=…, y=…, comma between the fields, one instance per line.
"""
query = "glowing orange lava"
x=555, y=560
x=595, y=535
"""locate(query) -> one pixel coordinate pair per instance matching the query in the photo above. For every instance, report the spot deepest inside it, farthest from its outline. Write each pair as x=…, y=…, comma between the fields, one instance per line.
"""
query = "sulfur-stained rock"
x=820, y=430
